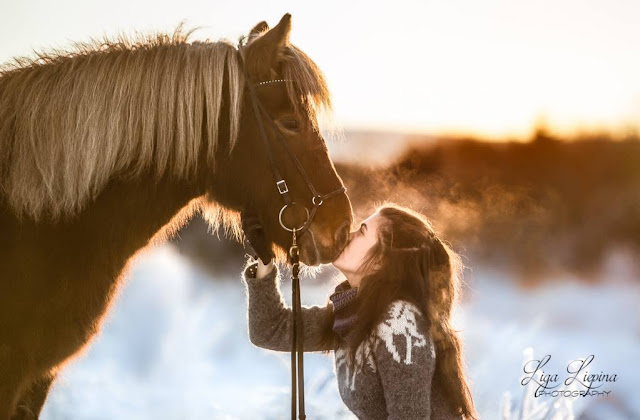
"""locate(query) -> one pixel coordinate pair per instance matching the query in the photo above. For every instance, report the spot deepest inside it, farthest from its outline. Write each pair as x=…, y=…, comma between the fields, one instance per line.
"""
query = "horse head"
x=294, y=92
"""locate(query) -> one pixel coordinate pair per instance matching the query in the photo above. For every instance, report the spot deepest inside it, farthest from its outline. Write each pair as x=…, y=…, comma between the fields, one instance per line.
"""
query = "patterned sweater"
x=394, y=367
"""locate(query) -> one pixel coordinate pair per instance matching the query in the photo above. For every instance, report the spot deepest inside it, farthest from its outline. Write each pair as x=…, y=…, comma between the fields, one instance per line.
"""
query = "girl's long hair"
x=411, y=263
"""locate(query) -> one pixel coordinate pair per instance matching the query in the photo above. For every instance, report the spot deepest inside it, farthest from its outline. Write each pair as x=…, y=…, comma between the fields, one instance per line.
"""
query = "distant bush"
x=536, y=207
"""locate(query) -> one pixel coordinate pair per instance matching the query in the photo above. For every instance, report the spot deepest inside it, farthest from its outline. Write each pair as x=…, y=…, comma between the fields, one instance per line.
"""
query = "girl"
x=389, y=323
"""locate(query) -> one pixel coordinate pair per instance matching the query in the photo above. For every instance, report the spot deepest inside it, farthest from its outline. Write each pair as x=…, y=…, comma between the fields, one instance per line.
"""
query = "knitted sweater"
x=394, y=367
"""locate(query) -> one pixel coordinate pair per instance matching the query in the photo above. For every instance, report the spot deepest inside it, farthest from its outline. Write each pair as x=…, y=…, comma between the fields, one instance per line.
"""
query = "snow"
x=175, y=346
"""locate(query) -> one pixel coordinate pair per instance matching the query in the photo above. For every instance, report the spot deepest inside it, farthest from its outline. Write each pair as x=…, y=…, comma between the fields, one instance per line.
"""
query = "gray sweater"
x=394, y=367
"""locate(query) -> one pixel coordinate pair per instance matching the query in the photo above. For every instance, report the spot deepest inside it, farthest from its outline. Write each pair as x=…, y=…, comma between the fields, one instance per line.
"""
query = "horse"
x=110, y=147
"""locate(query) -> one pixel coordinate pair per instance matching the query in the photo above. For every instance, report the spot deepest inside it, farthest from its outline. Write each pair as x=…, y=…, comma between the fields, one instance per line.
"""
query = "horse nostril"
x=342, y=236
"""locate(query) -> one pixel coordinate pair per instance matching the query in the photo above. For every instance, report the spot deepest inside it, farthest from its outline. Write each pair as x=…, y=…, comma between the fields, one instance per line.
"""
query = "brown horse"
x=115, y=145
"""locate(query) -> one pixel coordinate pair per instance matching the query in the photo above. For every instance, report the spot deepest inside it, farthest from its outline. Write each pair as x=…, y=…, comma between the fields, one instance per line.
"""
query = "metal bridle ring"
x=282, y=224
x=313, y=200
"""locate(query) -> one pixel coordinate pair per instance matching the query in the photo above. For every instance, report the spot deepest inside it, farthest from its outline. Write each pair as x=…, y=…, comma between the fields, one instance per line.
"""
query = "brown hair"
x=409, y=262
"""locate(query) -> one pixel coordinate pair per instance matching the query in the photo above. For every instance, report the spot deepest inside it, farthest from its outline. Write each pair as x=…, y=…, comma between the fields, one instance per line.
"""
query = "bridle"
x=281, y=184
x=297, y=352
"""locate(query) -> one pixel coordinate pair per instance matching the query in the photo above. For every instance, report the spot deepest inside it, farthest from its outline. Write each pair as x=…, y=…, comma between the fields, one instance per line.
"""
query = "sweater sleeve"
x=405, y=359
x=270, y=320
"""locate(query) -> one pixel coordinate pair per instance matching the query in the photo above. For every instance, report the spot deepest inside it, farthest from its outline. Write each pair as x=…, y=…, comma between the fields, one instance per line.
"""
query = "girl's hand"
x=264, y=269
x=254, y=233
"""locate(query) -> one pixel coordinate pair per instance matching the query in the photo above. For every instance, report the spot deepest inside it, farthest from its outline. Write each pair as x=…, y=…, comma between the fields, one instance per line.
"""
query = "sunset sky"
x=491, y=68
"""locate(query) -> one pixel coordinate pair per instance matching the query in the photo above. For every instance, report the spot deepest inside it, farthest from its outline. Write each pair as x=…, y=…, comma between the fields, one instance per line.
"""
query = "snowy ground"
x=175, y=346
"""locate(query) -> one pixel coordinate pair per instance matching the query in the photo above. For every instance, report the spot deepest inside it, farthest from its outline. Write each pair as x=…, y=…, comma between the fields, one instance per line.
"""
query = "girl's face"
x=359, y=244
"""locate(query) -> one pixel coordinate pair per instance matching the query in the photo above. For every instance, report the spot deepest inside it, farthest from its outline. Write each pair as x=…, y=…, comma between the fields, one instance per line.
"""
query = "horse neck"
x=128, y=214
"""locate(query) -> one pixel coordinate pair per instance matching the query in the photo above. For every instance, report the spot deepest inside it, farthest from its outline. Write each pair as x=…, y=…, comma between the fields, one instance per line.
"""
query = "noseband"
x=297, y=375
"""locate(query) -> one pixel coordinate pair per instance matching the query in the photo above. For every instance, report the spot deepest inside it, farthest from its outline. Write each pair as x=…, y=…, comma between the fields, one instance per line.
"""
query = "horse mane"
x=70, y=120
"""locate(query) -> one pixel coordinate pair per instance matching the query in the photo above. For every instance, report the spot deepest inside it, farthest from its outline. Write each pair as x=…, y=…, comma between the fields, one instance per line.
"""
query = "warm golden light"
x=490, y=68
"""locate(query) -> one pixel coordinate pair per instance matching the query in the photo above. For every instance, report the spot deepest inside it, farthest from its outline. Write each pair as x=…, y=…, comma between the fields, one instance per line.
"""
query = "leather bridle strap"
x=317, y=199
x=263, y=135
x=281, y=184
x=297, y=350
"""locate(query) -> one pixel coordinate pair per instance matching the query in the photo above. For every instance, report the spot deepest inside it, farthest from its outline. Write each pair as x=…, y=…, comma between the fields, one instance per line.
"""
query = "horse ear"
x=259, y=28
x=265, y=51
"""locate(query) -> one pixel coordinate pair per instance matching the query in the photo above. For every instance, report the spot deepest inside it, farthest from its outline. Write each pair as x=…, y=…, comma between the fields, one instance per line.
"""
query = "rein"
x=297, y=351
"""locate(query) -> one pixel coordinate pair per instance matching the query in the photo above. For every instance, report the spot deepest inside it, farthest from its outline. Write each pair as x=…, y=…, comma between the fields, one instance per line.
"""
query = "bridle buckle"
x=282, y=186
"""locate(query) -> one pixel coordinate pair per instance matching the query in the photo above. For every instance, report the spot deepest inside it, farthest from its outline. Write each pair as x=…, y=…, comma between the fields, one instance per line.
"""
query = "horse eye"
x=291, y=124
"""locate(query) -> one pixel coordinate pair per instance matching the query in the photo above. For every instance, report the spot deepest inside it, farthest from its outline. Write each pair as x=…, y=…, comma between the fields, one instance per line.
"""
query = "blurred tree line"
x=535, y=208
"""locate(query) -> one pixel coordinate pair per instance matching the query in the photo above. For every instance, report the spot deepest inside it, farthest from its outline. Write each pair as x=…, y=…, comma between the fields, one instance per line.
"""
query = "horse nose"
x=342, y=235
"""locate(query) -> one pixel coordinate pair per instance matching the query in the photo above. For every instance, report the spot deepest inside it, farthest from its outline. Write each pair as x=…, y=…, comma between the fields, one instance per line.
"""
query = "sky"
x=490, y=68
